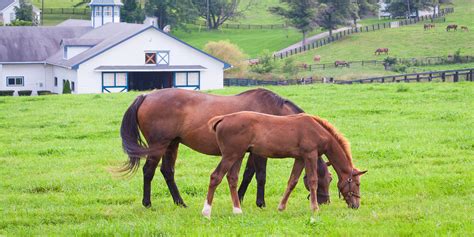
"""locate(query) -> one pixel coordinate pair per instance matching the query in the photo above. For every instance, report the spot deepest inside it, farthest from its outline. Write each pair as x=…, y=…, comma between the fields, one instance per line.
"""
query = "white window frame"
x=15, y=84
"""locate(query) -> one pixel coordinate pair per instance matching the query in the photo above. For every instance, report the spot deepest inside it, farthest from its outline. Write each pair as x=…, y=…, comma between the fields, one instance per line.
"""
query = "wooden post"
x=390, y=25
x=418, y=77
x=443, y=76
x=456, y=76
x=430, y=77
x=406, y=78
x=471, y=73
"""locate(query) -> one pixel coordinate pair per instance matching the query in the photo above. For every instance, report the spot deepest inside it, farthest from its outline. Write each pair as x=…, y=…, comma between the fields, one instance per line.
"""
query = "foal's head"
x=350, y=188
x=324, y=181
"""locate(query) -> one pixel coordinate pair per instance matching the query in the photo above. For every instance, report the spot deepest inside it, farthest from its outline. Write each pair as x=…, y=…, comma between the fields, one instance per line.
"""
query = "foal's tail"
x=132, y=142
x=213, y=122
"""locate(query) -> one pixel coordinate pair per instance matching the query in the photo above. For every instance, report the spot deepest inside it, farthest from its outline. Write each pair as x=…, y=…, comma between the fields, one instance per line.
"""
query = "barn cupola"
x=105, y=11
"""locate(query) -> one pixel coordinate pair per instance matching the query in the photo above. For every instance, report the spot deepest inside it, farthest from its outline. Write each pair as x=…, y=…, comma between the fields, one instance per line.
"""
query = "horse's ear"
x=328, y=163
x=361, y=173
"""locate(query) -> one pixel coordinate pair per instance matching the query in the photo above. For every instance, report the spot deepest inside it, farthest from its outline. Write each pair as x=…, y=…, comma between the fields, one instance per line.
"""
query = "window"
x=120, y=79
x=109, y=79
x=98, y=11
x=55, y=81
x=150, y=58
x=187, y=79
x=108, y=11
x=112, y=79
x=163, y=58
x=116, y=11
x=73, y=86
x=12, y=16
x=15, y=81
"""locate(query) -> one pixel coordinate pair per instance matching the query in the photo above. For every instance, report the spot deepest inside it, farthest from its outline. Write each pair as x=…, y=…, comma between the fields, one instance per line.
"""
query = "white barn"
x=7, y=11
x=103, y=55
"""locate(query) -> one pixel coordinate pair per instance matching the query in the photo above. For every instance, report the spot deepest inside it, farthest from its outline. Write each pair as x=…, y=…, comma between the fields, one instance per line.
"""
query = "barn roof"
x=105, y=2
x=5, y=3
x=34, y=44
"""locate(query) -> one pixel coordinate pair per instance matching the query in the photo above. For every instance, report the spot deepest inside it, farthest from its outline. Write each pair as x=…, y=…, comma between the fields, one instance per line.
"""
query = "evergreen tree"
x=300, y=14
x=66, y=87
x=171, y=12
x=132, y=12
x=24, y=12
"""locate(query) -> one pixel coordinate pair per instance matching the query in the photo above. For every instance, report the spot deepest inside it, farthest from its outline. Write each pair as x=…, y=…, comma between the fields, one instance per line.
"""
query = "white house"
x=7, y=11
x=103, y=55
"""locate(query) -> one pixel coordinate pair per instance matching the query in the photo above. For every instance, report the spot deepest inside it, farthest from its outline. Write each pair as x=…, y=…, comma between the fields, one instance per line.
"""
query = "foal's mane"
x=346, y=146
x=270, y=97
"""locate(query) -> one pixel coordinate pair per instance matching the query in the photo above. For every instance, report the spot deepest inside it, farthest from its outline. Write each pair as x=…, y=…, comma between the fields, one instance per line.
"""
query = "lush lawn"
x=54, y=19
x=57, y=3
x=416, y=140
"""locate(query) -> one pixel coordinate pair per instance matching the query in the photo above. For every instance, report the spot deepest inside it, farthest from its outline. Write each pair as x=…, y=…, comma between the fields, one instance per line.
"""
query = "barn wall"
x=132, y=53
x=34, y=76
x=62, y=74
x=7, y=13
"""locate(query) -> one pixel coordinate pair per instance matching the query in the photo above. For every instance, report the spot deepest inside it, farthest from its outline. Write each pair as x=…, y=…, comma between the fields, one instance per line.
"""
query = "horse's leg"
x=148, y=174
x=216, y=178
x=295, y=175
x=247, y=178
x=261, y=176
x=311, y=167
x=233, y=179
x=167, y=169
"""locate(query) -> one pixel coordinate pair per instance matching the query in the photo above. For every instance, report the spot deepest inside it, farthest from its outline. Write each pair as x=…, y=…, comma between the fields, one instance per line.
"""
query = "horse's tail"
x=213, y=122
x=132, y=142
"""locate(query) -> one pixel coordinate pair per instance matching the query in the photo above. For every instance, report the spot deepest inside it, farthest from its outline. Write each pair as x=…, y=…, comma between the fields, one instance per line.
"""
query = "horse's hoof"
x=146, y=204
x=206, y=211
x=281, y=207
x=237, y=211
x=181, y=204
x=261, y=204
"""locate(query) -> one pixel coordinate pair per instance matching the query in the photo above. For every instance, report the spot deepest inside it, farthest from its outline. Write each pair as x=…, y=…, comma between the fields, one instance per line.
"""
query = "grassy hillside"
x=416, y=140
x=57, y=3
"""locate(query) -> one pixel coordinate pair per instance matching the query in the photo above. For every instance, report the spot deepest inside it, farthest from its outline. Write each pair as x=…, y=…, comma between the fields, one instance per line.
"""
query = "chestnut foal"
x=300, y=136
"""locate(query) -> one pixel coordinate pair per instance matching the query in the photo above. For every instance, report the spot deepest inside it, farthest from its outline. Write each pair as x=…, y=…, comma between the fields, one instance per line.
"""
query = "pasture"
x=416, y=140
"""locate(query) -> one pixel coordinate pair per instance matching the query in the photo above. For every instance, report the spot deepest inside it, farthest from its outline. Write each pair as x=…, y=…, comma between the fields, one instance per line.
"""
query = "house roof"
x=5, y=3
x=34, y=44
x=105, y=2
x=148, y=68
x=75, y=22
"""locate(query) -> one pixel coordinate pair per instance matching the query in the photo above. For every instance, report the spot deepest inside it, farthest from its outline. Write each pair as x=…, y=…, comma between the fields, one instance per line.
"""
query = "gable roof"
x=5, y=3
x=32, y=43
x=105, y=2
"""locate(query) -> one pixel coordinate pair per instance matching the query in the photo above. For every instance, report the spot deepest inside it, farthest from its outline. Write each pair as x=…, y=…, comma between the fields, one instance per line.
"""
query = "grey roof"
x=80, y=42
x=75, y=22
x=5, y=3
x=33, y=44
x=105, y=36
x=105, y=2
x=150, y=68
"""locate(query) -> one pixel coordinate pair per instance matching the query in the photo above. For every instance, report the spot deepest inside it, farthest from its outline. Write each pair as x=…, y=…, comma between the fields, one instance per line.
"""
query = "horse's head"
x=324, y=181
x=349, y=187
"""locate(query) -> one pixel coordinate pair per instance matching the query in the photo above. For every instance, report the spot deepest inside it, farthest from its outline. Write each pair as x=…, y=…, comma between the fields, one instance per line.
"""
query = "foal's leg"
x=295, y=175
x=233, y=179
x=216, y=178
x=247, y=178
x=148, y=174
x=261, y=176
x=167, y=169
x=311, y=167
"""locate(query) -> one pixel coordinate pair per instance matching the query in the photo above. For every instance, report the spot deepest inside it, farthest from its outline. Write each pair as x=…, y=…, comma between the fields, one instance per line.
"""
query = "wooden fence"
x=68, y=11
x=411, y=61
x=245, y=26
x=379, y=26
x=442, y=76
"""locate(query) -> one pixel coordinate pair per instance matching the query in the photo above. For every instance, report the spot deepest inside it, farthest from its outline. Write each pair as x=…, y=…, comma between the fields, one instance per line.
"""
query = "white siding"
x=33, y=77
x=72, y=51
x=62, y=74
x=9, y=13
x=132, y=53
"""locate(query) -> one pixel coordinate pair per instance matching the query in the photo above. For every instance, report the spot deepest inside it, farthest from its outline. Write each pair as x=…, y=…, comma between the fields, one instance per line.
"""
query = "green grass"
x=416, y=140
x=405, y=42
x=54, y=19
x=57, y=3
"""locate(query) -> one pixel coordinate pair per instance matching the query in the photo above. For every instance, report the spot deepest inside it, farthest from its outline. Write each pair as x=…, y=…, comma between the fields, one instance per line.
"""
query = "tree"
x=66, y=87
x=230, y=53
x=217, y=12
x=406, y=8
x=171, y=12
x=132, y=12
x=300, y=14
x=331, y=13
x=24, y=12
x=363, y=8
x=265, y=63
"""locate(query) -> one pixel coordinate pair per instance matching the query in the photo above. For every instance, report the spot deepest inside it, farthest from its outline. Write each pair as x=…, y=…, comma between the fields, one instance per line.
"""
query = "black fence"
x=254, y=82
x=443, y=76
x=425, y=61
x=67, y=11
x=245, y=26
x=342, y=34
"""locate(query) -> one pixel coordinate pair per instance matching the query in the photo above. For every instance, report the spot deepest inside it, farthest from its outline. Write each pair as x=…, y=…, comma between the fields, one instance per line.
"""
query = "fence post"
x=367, y=29
x=418, y=77
x=443, y=76
x=471, y=77
x=390, y=25
x=456, y=76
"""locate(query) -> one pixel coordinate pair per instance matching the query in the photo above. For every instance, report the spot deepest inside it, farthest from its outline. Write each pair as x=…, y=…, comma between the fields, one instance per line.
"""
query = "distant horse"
x=454, y=27
x=464, y=28
x=381, y=50
x=303, y=137
x=428, y=26
x=253, y=62
x=341, y=63
x=169, y=117
x=317, y=58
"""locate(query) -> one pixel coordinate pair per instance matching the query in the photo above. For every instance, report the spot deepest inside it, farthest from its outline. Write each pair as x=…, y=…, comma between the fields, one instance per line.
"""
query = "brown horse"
x=464, y=28
x=300, y=136
x=341, y=63
x=381, y=50
x=454, y=27
x=428, y=26
x=169, y=117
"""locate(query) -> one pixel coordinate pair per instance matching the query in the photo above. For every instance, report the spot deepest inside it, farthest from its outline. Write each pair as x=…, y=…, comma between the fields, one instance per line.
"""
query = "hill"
x=413, y=138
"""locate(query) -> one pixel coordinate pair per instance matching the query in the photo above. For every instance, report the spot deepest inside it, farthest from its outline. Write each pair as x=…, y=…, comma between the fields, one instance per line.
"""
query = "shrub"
x=400, y=68
x=230, y=53
x=388, y=62
x=457, y=56
x=289, y=68
x=265, y=63
x=67, y=87
x=20, y=23
x=24, y=93
x=6, y=93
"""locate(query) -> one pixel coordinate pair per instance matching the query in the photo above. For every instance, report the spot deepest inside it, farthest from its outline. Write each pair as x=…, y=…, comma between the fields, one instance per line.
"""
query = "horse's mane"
x=346, y=146
x=268, y=96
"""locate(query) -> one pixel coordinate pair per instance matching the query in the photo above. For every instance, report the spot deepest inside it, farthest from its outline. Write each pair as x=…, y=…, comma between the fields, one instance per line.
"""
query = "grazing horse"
x=303, y=137
x=428, y=26
x=381, y=50
x=341, y=63
x=169, y=117
x=464, y=28
x=317, y=58
x=454, y=27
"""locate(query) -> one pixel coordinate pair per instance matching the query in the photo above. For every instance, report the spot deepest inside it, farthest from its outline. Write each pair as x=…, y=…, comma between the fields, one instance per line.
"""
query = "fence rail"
x=413, y=61
x=245, y=26
x=379, y=26
x=69, y=11
x=443, y=76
